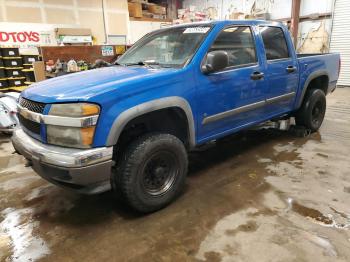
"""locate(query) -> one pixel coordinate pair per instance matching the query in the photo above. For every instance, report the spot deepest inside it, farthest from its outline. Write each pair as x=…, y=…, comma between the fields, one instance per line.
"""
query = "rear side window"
x=274, y=42
x=238, y=42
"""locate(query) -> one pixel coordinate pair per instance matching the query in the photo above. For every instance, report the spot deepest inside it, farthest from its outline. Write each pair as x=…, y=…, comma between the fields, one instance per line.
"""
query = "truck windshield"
x=172, y=47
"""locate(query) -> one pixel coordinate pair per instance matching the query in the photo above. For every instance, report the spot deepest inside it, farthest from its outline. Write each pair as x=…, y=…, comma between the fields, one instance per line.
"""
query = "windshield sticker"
x=196, y=30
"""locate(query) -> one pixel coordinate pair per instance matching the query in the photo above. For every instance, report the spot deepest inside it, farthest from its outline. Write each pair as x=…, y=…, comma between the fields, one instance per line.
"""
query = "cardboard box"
x=236, y=15
x=39, y=71
x=157, y=9
x=135, y=9
x=73, y=31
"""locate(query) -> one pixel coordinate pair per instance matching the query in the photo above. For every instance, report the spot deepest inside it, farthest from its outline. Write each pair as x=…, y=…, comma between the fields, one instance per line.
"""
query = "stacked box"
x=11, y=75
x=16, y=81
x=190, y=14
x=10, y=52
x=3, y=78
x=13, y=72
x=135, y=9
x=143, y=9
x=3, y=83
x=29, y=75
x=28, y=60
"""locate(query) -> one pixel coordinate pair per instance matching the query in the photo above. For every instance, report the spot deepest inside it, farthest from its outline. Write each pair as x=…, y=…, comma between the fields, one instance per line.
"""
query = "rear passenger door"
x=281, y=70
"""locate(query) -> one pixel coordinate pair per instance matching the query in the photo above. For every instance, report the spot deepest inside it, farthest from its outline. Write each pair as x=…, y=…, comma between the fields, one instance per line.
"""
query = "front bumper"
x=84, y=170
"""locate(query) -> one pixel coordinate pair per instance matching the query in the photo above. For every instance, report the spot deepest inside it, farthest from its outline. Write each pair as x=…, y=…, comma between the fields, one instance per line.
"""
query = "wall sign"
x=21, y=37
x=26, y=35
x=107, y=50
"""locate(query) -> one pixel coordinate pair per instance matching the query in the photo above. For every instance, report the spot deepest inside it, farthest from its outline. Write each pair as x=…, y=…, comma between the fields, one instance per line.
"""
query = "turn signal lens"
x=87, y=135
x=90, y=109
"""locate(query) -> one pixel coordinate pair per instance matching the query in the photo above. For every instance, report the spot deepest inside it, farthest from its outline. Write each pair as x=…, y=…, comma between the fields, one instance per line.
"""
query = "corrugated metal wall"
x=340, y=39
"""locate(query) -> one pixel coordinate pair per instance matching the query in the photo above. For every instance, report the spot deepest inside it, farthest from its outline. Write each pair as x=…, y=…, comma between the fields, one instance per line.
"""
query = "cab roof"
x=230, y=22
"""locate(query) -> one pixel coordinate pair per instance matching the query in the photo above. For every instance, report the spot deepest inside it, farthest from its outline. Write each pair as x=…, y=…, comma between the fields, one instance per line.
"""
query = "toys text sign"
x=21, y=37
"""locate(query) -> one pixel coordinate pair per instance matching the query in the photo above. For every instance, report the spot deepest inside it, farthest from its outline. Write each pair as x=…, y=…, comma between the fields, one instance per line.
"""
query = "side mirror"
x=216, y=61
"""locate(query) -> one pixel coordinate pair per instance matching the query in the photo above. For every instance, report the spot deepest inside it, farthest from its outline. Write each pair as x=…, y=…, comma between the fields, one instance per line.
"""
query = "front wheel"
x=151, y=172
x=312, y=111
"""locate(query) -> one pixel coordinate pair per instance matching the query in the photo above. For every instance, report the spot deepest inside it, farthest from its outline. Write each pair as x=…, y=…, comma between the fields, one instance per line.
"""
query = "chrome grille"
x=32, y=106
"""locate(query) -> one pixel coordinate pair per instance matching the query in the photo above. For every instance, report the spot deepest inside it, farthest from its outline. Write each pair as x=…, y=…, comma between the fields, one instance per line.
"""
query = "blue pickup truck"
x=128, y=127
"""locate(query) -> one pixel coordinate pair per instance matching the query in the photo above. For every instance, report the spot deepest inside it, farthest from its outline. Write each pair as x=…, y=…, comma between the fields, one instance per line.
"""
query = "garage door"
x=340, y=39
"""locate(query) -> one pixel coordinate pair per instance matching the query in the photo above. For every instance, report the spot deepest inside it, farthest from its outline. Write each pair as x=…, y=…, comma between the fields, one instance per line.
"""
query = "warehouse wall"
x=277, y=8
x=313, y=36
x=82, y=13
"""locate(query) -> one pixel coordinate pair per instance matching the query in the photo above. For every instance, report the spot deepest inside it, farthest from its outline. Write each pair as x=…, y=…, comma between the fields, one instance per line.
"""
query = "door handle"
x=291, y=69
x=257, y=75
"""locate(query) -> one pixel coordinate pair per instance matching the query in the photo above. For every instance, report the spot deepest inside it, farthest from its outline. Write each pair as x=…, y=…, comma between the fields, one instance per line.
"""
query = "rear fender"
x=311, y=77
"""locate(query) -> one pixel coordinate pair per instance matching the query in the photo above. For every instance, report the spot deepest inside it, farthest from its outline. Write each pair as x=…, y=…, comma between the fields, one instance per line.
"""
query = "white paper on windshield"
x=196, y=30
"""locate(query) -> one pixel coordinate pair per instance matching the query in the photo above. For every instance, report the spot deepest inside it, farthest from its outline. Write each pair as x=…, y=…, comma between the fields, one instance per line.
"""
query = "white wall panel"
x=340, y=38
x=308, y=7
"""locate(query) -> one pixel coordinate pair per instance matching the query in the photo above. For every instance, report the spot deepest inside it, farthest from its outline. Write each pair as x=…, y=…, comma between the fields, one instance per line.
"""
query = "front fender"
x=126, y=116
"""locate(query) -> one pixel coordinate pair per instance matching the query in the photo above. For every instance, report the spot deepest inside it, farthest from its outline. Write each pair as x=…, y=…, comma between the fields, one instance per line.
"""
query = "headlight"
x=74, y=109
x=60, y=133
x=70, y=136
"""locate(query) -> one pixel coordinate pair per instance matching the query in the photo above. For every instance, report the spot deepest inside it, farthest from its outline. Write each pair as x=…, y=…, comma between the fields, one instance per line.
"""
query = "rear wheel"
x=151, y=172
x=312, y=111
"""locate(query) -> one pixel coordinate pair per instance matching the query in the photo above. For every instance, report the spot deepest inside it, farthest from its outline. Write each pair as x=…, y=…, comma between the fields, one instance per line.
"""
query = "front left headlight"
x=74, y=109
x=83, y=118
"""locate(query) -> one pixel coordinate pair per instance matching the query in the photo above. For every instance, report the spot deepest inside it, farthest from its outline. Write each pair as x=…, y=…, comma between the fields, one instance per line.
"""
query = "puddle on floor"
x=309, y=212
x=317, y=217
x=18, y=226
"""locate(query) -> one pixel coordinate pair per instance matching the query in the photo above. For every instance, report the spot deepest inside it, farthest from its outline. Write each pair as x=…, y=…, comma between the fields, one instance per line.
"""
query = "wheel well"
x=172, y=120
x=320, y=82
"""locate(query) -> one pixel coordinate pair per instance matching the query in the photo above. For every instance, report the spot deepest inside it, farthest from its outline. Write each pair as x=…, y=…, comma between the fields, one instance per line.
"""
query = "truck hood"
x=85, y=85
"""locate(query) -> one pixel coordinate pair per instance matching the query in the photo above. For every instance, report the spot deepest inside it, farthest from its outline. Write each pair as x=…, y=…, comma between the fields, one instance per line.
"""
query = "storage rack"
x=16, y=71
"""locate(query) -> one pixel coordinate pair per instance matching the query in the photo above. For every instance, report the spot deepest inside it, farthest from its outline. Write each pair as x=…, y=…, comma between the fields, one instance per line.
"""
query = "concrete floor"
x=261, y=196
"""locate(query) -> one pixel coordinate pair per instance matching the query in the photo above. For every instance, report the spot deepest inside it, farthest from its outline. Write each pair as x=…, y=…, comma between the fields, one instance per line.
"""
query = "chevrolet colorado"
x=129, y=126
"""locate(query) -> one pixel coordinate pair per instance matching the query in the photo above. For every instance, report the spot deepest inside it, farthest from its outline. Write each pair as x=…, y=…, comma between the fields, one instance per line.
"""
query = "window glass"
x=274, y=42
x=238, y=43
x=171, y=47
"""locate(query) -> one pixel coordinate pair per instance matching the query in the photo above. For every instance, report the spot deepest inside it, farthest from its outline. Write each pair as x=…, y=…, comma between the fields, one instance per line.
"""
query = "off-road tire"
x=312, y=111
x=132, y=179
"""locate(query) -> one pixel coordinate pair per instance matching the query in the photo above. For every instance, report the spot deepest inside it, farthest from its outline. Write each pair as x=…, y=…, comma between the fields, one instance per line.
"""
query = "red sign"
x=21, y=37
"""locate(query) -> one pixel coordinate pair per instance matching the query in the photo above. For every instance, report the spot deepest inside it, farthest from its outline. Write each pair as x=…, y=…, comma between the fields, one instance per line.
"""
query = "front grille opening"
x=30, y=125
x=32, y=106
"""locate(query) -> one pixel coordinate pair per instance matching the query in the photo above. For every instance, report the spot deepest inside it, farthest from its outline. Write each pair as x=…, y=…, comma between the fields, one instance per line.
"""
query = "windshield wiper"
x=143, y=63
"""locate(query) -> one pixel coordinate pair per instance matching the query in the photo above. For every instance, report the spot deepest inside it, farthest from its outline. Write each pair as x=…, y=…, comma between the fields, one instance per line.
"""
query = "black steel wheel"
x=159, y=172
x=151, y=172
x=312, y=111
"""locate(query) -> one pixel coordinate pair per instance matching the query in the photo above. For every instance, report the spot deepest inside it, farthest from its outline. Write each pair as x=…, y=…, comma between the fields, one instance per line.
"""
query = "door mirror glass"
x=216, y=61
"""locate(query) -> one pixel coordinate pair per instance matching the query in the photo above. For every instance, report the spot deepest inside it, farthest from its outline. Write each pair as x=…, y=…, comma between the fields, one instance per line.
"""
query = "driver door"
x=233, y=97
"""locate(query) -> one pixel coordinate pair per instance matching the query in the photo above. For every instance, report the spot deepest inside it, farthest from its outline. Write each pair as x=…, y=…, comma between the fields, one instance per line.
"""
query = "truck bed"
x=310, y=63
